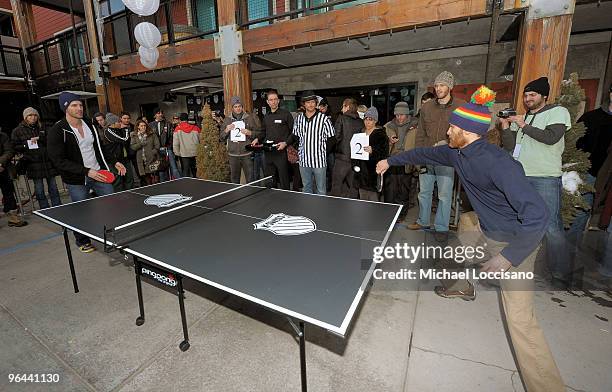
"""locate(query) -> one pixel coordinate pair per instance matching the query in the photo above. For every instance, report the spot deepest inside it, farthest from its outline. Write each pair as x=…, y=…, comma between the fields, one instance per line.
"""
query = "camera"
x=507, y=112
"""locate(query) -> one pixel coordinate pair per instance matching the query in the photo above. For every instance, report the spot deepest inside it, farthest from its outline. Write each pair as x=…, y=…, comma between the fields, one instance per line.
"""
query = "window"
x=110, y=7
x=205, y=15
x=6, y=25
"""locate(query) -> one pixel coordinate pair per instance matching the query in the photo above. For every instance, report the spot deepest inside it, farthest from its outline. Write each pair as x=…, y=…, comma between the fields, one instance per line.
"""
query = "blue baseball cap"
x=66, y=98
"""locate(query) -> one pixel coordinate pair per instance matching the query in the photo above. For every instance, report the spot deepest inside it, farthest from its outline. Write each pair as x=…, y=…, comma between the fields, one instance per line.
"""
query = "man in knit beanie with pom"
x=512, y=220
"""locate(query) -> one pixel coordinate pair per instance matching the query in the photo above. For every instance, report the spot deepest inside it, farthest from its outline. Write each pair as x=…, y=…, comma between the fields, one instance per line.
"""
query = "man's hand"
x=368, y=149
x=495, y=264
x=281, y=146
x=35, y=139
x=394, y=139
x=229, y=127
x=382, y=166
x=246, y=132
x=518, y=120
x=120, y=168
x=255, y=142
x=504, y=122
x=1, y=168
x=94, y=175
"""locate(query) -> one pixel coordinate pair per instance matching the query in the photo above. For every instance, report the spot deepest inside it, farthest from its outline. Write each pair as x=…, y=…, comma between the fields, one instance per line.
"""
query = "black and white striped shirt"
x=313, y=133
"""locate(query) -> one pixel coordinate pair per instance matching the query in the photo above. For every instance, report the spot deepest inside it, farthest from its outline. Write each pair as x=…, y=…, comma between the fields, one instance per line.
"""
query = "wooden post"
x=24, y=22
x=607, y=77
x=237, y=79
x=542, y=51
x=109, y=91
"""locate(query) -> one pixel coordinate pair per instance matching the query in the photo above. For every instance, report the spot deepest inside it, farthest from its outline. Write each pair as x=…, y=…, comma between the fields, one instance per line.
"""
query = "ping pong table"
x=307, y=257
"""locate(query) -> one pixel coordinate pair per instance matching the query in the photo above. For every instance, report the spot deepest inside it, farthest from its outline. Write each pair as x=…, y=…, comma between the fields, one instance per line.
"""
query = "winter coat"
x=114, y=141
x=6, y=150
x=239, y=148
x=164, y=134
x=65, y=154
x=36, y=161
x=366, y=178
x=406, y=135
x=433, y=121
x=186, y=138
x=346, y=126
x=146, y=147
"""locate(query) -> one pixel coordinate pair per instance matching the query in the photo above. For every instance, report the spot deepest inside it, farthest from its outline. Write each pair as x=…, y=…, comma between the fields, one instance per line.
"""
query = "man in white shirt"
x=75, y=150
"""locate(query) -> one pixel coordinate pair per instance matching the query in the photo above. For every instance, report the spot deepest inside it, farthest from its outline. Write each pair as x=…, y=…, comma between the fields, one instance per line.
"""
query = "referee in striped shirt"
x=313, y=128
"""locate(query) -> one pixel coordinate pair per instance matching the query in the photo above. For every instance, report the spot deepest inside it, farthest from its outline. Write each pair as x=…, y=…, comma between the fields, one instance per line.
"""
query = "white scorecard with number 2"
x=358, y=142
x=236, y=134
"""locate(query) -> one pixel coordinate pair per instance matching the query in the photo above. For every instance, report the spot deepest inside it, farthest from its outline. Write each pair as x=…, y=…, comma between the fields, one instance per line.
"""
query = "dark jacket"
x=346, y=126
x=597, y=138
x=366, y=178
x=433, y=121
x=6, y=150
x=36, y=161
x=239, y=148
x=65, y=154
x=114, y=141
x=508, y=207
x=278, y=127
x=163, y=132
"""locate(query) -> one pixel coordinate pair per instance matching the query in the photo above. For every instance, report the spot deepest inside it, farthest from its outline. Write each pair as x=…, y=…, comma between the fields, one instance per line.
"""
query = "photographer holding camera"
x=537, y=141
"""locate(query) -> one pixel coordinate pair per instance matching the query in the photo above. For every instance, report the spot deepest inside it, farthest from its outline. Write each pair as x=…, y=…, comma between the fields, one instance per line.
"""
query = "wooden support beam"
x=607, y=76
x=24, y=22
x=542, y=51
x=197, y=51
x=115, y=100
x=237, y=78
x=359, y=20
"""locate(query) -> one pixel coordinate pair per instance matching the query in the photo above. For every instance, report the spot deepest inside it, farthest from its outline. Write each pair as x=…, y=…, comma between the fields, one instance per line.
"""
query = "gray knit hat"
x=446, y=78
x=235, y=100
x=401, y=108
x=29, y=110
x=111, y=119
x=372, y=112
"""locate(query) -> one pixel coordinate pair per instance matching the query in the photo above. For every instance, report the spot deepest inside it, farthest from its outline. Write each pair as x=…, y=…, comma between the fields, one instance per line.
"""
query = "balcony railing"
x=12, y=63
x=258, y=13
x=177, y=20
x=61, y=53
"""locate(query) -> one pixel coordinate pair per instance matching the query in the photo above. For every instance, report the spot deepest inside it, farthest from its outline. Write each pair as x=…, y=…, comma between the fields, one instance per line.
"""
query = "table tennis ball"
x=357, y=169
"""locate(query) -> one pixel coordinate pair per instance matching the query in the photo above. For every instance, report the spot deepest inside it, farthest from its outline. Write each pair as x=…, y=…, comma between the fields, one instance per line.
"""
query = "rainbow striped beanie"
x=475, y=116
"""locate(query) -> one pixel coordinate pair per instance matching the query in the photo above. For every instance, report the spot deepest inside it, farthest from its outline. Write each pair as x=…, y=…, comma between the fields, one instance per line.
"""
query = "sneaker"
x=416, y=226
x=466, y=295
x=87, y=248
x=14, y=220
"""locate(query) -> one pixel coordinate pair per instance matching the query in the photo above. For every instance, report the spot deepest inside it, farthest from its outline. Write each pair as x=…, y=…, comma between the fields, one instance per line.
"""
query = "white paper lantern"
x=147, y=35
x=149, y=65
x=142, y=7
x=148, y=55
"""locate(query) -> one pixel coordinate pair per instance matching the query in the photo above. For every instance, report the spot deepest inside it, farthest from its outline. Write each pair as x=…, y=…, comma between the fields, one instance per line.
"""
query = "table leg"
x=184, y=346
x=137, y=270
x=70, y=262
x=303, y=357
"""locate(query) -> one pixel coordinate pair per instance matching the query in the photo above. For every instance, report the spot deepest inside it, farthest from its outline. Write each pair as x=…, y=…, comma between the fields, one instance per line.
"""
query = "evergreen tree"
x=575, y=162
x=212, y=159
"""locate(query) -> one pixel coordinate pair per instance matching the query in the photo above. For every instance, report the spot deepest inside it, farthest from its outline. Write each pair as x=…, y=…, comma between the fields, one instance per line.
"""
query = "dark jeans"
x=188, y=164
x=397, y=189
x=244, y=163
x=39, y=189
x=81, y=192
x=8, y=191
x=258, y=165
x=343, y=180
x=556, y=250
x=277, y=165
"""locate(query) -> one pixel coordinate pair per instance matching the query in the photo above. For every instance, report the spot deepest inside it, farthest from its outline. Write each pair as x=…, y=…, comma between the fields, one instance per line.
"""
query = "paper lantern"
x=142, y=7
x=149, y=65
x=147, y=35
x=148, y=55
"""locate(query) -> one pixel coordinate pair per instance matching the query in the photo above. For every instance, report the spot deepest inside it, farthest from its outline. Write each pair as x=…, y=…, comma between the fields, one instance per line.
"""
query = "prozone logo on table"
x=168, y=280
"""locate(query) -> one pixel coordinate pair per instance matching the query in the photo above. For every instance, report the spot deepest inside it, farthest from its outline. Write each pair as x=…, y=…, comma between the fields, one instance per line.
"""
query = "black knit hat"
x=309, y=96
x=539, y=86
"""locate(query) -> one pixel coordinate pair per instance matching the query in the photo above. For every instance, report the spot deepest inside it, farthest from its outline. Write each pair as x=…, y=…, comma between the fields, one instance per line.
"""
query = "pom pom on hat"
x=483, y=96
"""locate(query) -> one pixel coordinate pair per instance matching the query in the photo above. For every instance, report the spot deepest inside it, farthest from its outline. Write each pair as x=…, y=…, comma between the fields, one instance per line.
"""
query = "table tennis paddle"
x=379, y=183
x=109, y=177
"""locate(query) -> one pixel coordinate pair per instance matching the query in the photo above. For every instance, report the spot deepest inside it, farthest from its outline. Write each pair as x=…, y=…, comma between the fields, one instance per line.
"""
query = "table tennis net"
x=122, y=236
